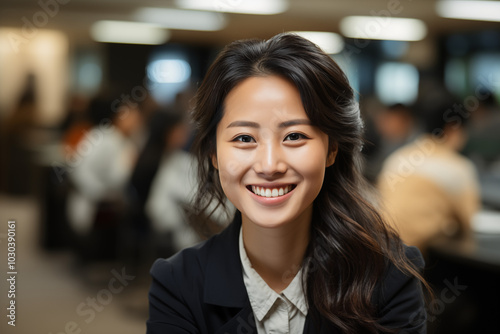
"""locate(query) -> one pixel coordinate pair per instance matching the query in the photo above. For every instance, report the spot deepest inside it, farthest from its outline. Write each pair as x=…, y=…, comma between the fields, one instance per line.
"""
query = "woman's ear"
x=332, y=154
x=214, y=161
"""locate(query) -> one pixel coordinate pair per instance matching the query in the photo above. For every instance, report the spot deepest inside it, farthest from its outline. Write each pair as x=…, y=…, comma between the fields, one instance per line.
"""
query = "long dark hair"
x=350, y=243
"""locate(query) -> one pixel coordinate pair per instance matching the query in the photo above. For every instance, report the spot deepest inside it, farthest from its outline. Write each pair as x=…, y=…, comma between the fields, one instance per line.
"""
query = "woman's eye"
x=244, y=139
x=295, y=136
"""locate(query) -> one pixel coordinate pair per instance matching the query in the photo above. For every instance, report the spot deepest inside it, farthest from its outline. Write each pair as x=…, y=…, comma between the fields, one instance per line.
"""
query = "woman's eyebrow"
x=292, y=122
x=285, y=124
x=243, y=124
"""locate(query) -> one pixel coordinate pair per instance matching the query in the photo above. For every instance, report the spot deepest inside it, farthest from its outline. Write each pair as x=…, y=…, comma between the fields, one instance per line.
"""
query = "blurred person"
x=395, y=124
x=369, y=106
x=16, y=172
x=393, y=127
x=75, y=125
x=183, y=102
x=483, y=143
x=102, y=162
x=170, y=202
x=427, y=188
x=161, y=142
x=76, y=111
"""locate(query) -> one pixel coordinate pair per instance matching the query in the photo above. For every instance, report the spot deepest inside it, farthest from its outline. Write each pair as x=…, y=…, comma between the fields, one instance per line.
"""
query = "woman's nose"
x=270, y=160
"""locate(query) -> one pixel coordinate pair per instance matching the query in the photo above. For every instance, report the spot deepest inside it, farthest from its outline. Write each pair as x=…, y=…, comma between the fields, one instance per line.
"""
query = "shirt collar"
x=261, y=296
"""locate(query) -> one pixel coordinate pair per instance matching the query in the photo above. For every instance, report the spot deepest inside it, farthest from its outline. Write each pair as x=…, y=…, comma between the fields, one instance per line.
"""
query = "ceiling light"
x=169, y=71
x=329, y=42
x=128, y=32
x=470, y=10
x=383, y=28
x=262, y=7
x=181, y=19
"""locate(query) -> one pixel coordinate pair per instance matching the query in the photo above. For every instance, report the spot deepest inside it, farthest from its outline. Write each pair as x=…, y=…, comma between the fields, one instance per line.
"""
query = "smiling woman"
x=279, y=135
x=267, y=140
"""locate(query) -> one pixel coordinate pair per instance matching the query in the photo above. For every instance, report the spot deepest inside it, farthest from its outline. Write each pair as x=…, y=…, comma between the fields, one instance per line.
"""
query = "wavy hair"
x=350, y=243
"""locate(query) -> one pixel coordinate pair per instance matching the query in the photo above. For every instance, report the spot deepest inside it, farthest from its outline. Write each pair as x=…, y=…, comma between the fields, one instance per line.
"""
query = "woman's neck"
x=277, y=253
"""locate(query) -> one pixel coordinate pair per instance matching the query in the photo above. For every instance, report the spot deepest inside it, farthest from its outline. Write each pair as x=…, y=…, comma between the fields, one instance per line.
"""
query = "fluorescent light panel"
x=470, y=10
x=181, y=19
x=383, y=28
x=329, y=42
x=259, y=7
x=128, y=32
x=396, y=83
x=169, y=71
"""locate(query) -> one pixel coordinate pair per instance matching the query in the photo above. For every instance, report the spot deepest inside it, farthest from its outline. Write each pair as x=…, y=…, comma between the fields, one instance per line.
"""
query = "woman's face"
x=271, y=160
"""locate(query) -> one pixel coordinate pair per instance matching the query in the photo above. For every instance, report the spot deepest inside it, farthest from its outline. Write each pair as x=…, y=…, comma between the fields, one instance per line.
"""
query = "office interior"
x=58, y=56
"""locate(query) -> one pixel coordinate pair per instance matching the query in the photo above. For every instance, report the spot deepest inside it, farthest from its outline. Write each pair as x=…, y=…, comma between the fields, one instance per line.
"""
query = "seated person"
x=171, y=192
x=101, y=165
x=427, y=188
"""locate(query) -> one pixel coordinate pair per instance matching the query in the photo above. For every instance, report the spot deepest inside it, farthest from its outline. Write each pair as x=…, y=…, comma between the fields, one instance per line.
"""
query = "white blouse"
x=274, y=313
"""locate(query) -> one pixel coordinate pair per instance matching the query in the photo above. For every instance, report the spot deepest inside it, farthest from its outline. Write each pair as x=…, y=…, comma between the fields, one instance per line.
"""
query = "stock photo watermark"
x=89, y=308
x=222, y=5
x=11, y=272
x=437, y=306
x=245, y=325
x=31, y=25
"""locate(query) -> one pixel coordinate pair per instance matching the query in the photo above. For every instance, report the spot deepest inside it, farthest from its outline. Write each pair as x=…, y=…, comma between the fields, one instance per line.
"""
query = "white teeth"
x=268, y=192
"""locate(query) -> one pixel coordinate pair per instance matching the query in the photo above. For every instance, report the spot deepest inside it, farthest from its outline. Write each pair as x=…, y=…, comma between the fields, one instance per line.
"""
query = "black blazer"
x=201, y=290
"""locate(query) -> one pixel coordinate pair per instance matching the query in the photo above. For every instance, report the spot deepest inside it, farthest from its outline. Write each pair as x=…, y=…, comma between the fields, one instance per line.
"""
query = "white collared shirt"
x=275, y=313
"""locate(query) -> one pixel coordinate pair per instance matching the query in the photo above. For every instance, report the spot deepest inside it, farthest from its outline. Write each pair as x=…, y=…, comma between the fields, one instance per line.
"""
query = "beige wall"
x=44, y=53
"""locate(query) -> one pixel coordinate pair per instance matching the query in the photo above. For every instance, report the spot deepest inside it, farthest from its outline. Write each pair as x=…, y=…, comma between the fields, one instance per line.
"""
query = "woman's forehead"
x=264, y=98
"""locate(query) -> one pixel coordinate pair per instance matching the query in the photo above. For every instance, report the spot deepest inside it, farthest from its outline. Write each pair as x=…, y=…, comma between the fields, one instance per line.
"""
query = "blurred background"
x=94, y=143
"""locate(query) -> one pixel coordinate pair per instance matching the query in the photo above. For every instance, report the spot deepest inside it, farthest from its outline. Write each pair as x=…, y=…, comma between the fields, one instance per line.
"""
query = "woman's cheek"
x=310, y=164
x=308, y=159
x=234, y=162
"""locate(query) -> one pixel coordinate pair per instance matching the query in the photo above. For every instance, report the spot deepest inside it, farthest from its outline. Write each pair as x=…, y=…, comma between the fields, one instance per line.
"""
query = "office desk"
x=465, y=275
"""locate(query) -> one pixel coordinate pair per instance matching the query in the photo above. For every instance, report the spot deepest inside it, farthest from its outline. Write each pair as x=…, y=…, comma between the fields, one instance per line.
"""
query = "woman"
x=279, y=134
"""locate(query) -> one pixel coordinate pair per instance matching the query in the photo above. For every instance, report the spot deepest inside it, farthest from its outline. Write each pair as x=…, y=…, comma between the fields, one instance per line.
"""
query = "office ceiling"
x=75, y=17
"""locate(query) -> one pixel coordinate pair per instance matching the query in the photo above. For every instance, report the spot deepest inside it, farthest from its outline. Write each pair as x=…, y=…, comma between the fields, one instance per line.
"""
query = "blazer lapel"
x=243, y=322
x=224, y=284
